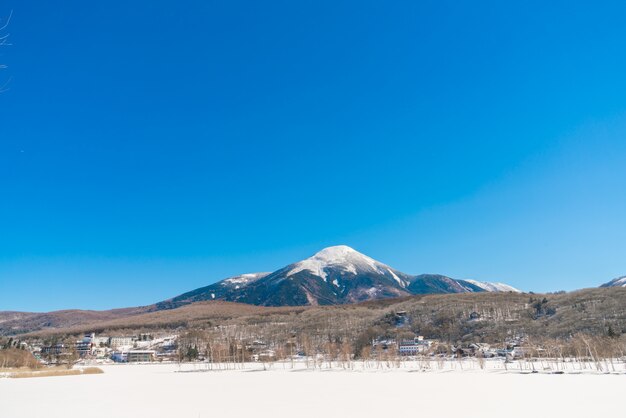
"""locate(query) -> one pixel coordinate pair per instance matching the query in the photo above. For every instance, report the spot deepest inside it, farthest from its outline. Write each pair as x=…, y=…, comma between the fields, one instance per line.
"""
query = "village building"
x=140, y=356
x=121, y=342
x=83, y=348
x=413, y=347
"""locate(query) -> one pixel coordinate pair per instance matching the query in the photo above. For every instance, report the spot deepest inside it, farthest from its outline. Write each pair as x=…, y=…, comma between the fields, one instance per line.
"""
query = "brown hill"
x=15, y=323
x=453, y=317
x=200, y=313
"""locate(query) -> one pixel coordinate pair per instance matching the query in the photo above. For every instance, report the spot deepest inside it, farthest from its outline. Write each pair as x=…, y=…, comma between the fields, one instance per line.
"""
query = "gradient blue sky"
x=151, y=147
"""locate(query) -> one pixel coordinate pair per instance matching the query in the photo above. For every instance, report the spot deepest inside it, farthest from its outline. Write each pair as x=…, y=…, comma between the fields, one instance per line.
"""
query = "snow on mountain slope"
x=619, y=282
x=223, y=290
x=343, y=258
x=493, y=287
x=242, y=280
x=438, y=283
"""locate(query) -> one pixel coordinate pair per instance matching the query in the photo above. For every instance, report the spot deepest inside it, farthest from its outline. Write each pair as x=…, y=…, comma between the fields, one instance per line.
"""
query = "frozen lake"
x=163, y=391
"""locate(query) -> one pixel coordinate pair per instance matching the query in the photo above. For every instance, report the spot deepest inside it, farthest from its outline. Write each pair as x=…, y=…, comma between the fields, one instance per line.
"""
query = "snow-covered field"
x=170, y=390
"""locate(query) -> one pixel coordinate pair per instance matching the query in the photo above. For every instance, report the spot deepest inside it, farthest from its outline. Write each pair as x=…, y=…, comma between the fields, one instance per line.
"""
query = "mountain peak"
x=338, y=256
x=337, y=253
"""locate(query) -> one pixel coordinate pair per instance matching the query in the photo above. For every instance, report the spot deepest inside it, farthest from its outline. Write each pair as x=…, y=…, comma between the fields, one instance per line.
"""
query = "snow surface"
x=372, y=291
x=344, y=258
x=243, y=278
x=169, y=390
x=493, y=287
x=396, y=278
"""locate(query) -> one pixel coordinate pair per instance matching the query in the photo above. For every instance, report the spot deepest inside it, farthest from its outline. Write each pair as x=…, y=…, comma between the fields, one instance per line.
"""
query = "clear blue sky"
x=150, y=147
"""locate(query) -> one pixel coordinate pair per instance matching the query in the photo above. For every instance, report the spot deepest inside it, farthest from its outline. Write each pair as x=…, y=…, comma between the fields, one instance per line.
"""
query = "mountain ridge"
x=334, y=275
x=618, y=282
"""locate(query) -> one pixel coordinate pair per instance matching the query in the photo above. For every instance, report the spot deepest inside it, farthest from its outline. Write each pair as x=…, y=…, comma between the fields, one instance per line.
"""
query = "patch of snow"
x=310, y=264
x=243, y=278
x=396, y=278
x=351, y=268
x=212, y=295
x=372, y=291
x=493, y=287
x=336, y=283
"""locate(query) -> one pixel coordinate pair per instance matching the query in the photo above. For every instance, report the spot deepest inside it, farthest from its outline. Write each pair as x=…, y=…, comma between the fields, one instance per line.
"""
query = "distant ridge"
x=216, y=291
x=493, y=287
x=619, y=282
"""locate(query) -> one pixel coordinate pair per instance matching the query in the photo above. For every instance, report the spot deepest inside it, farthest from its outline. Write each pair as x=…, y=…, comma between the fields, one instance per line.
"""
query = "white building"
x=121, y=342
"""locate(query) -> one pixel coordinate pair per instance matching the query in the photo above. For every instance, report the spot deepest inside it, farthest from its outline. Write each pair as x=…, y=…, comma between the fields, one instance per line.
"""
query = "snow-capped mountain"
x=335, y=275
x=619, y=282
x=493, y=287
x=332, y=276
